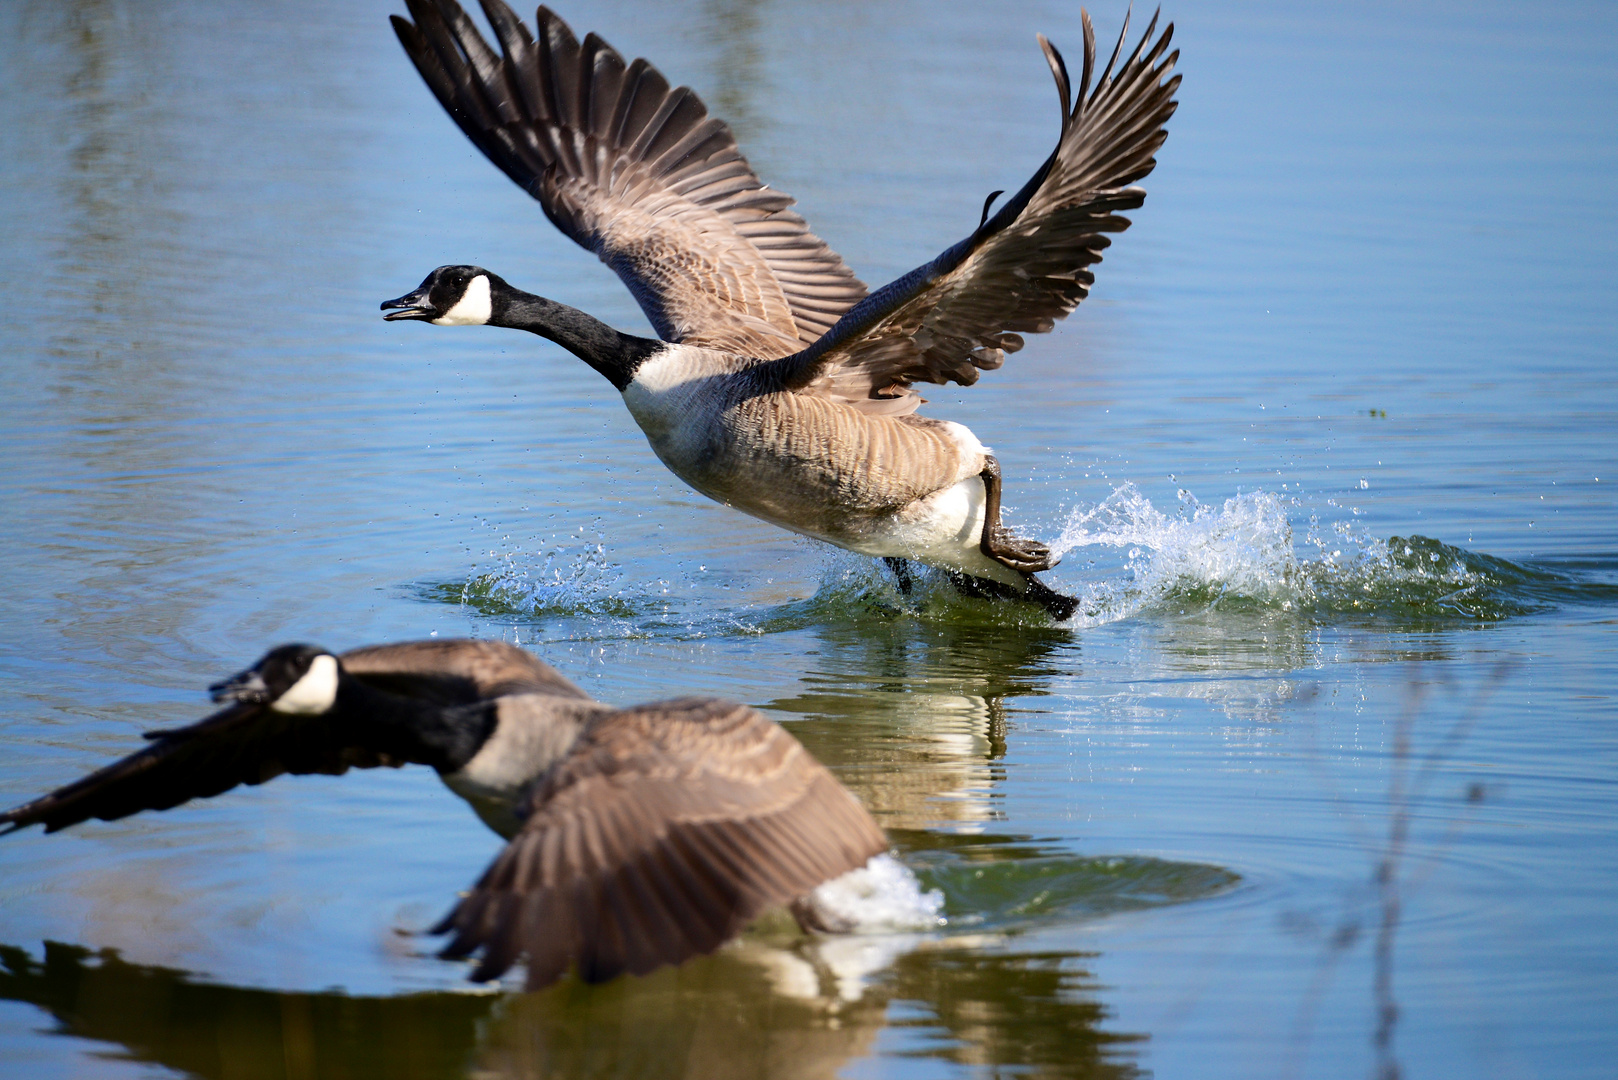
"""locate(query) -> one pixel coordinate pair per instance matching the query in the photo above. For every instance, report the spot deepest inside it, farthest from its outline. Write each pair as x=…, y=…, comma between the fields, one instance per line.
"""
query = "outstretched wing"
x=240, y=744
x=639, y=174
x=1022, y=269
x=250, y=743
x=450, y=671
x=661, y=836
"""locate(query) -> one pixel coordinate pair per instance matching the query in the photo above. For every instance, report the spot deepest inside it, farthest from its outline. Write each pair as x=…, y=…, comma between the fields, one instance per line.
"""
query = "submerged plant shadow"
x=1396, y=870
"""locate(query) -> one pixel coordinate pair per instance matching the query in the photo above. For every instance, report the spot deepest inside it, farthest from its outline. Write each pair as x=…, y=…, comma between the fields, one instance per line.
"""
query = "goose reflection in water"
x=913, y=719
x=715, y=1019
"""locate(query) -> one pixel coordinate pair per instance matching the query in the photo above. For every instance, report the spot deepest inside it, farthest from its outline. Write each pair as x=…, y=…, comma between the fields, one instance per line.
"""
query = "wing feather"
x=248, y=743
x=666, y=831
x=638, y=173
x=1023, y=269
x=451, y=671
x=240, y=744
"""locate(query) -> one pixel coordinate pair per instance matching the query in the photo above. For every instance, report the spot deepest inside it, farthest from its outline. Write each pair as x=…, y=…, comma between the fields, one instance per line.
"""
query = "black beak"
x=245, y=687
x=410, y=306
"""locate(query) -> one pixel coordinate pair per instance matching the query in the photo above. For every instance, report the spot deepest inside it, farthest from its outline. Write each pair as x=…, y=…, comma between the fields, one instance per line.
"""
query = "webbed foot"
x=1056, y=605
x=998, y=542
x=902, y=574
x=1004, y=547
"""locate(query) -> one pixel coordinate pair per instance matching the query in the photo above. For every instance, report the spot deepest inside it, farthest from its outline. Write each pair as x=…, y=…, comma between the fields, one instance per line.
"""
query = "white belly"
x=670, y=401
x=942, y=530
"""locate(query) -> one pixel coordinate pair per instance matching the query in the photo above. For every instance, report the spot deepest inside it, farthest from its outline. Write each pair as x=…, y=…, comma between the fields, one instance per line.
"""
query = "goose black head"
x=297, y=679
x=449, y=296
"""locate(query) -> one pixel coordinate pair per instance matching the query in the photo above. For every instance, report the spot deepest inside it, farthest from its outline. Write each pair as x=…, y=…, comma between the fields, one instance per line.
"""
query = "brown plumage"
x=1025, y=268
x=779, y=387
x=456, y=671
x=666, y=830
x=644, y=177
x=638, y=837
x=638, y=173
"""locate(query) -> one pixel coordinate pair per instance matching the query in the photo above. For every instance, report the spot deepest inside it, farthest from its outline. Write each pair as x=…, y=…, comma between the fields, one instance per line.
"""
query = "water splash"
x=1124, y=557
x=881, y=897
x=1243, y=548
x=571, y=576
x=1243, y=555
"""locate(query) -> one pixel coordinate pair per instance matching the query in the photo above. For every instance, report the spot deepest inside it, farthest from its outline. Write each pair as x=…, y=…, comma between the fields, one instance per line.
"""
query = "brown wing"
x=451, y=671
x=663, y=834
x=1024, y=268
x=639, y=174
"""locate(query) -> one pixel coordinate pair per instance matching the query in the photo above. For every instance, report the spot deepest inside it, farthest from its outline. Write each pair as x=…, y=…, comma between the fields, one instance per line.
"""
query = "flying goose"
x=637, y=837
x=778, y=386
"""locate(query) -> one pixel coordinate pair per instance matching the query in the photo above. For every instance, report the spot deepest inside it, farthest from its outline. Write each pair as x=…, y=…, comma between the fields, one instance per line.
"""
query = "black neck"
x=613, y=354
x=409, y=729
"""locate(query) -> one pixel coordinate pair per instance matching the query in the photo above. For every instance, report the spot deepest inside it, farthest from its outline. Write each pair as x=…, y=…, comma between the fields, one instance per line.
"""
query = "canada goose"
x=638, y=837
x=779, y=387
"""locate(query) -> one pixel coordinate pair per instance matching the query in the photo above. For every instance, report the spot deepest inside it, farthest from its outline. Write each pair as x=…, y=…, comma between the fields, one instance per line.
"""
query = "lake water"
x=1323, y=781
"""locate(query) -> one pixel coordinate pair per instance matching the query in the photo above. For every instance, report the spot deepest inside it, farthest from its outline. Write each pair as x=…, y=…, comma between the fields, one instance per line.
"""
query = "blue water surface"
x=1322, y=780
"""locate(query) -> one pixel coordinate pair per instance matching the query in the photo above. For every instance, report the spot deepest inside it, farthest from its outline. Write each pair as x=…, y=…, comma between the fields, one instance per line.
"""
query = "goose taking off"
x=638, y=837
x=779, y=387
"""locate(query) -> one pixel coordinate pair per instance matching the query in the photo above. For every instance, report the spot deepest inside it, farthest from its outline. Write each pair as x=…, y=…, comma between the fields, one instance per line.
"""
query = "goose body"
x=636, y=837
x=895, y=486
x=778, y=385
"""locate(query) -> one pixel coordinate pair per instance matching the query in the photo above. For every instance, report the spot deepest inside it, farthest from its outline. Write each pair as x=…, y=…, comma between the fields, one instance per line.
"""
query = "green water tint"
x=713, y=1019
x=1123, y=557
x=493, y=596
x=1000, y=882
x=1416, y=582
x=773, y=1004
x=1413, y=578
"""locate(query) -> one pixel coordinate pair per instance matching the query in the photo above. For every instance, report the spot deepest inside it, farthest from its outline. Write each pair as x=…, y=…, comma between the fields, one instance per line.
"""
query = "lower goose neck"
x=615, y=355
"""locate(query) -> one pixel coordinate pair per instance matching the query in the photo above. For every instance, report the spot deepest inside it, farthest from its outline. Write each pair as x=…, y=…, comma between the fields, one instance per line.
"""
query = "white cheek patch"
x=474, y=308
x=313, y=694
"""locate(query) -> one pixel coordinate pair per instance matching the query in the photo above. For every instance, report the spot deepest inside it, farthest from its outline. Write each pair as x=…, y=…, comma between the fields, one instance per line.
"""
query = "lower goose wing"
x=242, y=744
x=638, y=173
x=664, y=833
x=1022, y=269
x=265, y=731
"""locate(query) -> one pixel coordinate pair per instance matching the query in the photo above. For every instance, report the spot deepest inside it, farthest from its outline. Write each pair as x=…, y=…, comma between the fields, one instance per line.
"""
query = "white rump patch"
x=474, y=308
x=969, y=444
x=882, y=896
x=313, y=694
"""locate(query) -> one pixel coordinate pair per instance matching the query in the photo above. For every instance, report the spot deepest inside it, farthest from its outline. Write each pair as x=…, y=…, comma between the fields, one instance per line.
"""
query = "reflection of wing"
x=448, y=671
x=665, y=831
x=241, y=744
x=637, y=173
x=1022, y=269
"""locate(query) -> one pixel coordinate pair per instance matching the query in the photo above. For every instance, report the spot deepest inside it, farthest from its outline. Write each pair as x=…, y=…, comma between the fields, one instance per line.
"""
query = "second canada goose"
x=778, y=386
x=637, y=837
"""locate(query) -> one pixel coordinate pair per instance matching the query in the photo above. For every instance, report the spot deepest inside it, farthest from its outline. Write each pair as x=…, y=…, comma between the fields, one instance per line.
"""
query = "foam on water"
x=881, y=897
x=1123, y=556
x=1244, y=547
x=1243, y=555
